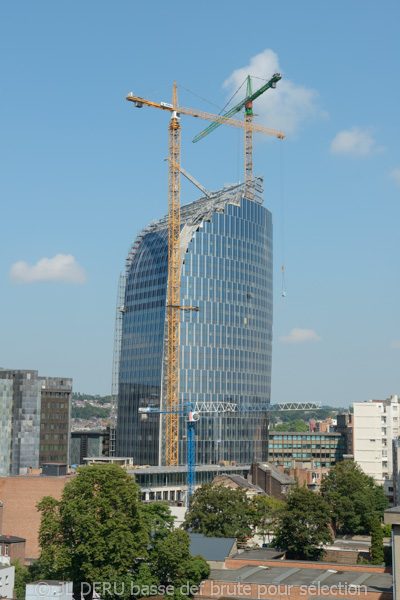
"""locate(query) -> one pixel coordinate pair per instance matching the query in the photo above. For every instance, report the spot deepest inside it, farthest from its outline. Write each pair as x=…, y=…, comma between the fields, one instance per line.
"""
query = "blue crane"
x=193, y=411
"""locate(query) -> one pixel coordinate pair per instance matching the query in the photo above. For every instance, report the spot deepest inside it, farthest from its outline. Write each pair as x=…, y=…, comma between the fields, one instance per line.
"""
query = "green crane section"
x=246, y=103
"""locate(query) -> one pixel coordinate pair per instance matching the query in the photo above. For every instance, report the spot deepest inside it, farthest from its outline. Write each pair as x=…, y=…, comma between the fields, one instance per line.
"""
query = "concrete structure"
x=396, y=471
x=7, y=579
x=169, y=484
x=272, y=480
x=34, y=420
x=324, y=450
x=376, y=425
x=345, y=426
x=62, y=590
x=225, y=347
x=392, y=517
x=85, y=444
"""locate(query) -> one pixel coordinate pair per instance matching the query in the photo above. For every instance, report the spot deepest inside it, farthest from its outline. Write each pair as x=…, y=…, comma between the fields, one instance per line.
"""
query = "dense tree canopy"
x=353, y=497
x=96, y=530
x=101, y=532
x=218, y=511
x=303, y=524
x=294, y=425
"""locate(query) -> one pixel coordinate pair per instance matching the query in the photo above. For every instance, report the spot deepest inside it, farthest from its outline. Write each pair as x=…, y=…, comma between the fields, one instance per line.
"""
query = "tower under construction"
x=225, y=346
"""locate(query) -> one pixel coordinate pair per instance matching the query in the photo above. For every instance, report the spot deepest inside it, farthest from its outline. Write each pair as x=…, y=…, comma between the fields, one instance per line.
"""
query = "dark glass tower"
x=225, y=347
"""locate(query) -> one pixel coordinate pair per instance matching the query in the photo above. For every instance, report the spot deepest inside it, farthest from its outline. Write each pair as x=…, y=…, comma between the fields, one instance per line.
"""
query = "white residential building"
x=7, y=576
x=376, y=425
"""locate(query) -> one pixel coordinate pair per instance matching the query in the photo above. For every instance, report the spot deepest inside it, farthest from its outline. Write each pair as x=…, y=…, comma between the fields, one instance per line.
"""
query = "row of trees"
x=100, y=531
x=349, y=503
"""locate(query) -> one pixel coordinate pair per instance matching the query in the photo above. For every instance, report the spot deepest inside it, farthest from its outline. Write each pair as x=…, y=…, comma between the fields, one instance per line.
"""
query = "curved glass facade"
x=225, y=347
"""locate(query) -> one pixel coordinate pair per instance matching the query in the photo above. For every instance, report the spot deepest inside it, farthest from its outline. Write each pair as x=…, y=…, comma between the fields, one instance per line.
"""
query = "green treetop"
x=353, y=497
x=218, y=511
x=303, y=524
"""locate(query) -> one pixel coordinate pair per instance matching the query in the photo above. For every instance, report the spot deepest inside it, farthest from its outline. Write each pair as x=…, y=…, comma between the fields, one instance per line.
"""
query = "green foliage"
x=295, y=425
x=305, y=415
x=353, y=497
x=96, y=531
x=158, y=520
x=218, y=511
x=387, y=530
x=100, y=532
x=303, y=525
x=88, y=411
x=21, y=579
x=376, y=542
x=174, y=565
x=263, y=514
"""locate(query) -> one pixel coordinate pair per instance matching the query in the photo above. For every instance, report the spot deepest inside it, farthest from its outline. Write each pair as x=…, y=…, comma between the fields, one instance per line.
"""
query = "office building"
x=35, y=415
x=87, y=444
x=321, y=450
x=225, y=347
x=376, y=425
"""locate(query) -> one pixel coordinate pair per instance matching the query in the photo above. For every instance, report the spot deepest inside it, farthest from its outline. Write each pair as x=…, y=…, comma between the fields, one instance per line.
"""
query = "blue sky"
x=83, y=171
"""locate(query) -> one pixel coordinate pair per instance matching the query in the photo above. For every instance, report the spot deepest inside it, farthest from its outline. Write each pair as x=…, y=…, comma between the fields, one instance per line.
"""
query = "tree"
x=354, y=498
x=158, y=520
x=96, y=531
x=303, y=525
x=294, y=425
x=377, y=556
x=263, y=514
x=21, y=579
x=174, y=565
x=219, y=511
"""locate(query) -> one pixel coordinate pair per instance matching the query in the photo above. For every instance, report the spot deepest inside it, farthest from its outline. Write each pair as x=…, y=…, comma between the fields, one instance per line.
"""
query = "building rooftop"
x=11, y=539
x=277, y=473
x=211, y=548
x=311, y=578
x=183, y=469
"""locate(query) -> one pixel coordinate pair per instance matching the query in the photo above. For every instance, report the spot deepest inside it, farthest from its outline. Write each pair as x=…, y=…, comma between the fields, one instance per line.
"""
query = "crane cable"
x=282, y=223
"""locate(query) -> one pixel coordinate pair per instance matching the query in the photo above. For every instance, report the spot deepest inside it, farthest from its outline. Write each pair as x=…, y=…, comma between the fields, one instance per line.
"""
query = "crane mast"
x=174, y=281
x=174, y=268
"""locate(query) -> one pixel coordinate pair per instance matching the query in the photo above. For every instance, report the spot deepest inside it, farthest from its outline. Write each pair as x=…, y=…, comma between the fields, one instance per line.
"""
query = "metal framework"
x=174, y=281
x=193, y=410
x=173, y=292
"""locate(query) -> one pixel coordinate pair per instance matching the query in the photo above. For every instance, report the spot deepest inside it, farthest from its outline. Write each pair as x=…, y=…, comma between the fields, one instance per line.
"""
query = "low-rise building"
x=324, y=450
x=274, y=481
x=7, y=580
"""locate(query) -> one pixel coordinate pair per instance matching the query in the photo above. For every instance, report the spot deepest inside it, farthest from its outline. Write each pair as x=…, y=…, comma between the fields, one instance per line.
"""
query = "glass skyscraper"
x=225, y=347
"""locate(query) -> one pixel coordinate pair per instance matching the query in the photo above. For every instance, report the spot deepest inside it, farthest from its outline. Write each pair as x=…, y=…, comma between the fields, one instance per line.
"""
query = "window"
x=5, y=550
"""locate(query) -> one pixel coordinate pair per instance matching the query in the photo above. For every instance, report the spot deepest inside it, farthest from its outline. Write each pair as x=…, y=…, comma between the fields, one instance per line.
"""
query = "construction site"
x=193, y=328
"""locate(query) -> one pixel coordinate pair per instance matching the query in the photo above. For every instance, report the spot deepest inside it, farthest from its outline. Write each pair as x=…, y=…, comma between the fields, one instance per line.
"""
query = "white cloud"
x=299, y=336
x=61, y=268
x=355, y=141
x=395, y=344
x=285, y=107
x=395, y=174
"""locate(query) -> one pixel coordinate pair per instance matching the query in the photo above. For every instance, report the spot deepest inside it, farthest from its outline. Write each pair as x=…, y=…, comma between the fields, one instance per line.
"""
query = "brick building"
x=19, y=496
x=271, y=479
x=12, y=547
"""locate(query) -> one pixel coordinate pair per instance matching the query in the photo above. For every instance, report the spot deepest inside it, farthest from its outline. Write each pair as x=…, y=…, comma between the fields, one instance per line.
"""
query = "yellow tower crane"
x=174, y=271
